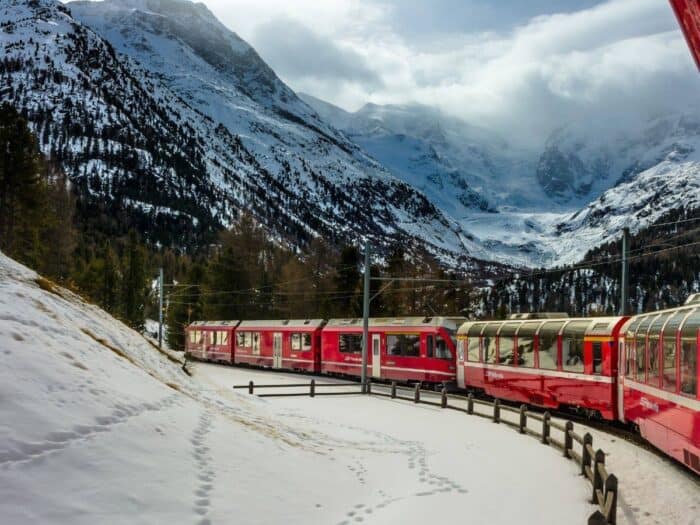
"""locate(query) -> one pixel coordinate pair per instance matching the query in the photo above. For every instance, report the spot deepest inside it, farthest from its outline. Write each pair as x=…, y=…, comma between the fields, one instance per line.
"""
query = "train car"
x=211, y=340
x=659, y=379
x=410, y=349
x=548, y=362
x=282, y=344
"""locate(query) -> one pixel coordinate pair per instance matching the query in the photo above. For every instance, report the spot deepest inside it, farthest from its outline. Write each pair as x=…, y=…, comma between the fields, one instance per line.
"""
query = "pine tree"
x=134, y=285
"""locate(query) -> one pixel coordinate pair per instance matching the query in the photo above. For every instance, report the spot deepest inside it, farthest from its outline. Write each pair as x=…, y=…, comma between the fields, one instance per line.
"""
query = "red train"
x=642, y=369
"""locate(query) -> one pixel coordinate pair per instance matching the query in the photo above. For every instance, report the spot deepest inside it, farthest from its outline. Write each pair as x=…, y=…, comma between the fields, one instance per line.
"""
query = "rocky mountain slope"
x=168, y=122
x=530, y=208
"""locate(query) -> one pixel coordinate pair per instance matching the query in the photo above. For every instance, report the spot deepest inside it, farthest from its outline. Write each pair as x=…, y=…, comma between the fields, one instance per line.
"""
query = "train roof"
x=447, y=322
x=693, y=299
x=595, y=325
x=283, y=323
x=206, y=324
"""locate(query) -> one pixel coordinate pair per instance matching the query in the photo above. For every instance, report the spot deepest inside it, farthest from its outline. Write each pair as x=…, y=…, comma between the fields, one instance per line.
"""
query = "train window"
x=572, y=346
x=629, y=356
x=248, y=339
x=306, y=341
x=350, y=343
x=473, y=349
x=442, y=350
x=193, y=336
x=223, y=338
x=488, y=342
x=526, y=344
x=296, y=342
x=640, y=339
x=669, y=349
x=505, y=350
x=406, y=345
x=430, y=343
x=256, y=343
x=489, y=346
x=549, y=345
x=240, y=339
x=689, y=354
x=214, y=338
x=653, y=356
x=597, y=358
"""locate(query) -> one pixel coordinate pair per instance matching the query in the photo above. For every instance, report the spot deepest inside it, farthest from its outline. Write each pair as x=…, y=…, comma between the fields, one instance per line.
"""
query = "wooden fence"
x=604, y=488
x=312, y=387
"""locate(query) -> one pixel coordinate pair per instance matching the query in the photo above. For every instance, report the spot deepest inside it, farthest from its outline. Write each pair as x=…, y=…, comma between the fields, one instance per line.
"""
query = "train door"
x=376, y=356
x=461, y=351
x=277, y=350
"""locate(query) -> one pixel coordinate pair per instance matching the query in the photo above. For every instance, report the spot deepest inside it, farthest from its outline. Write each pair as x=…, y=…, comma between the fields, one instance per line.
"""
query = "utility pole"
x=365, y=320
x=625, y=278
x=160, y=308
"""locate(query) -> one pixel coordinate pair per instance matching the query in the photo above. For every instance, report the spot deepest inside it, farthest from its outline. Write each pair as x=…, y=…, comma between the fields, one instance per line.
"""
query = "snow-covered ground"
x=98, y=426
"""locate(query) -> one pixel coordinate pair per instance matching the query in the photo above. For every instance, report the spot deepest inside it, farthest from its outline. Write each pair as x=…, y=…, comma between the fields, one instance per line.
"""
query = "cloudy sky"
x=521, y=67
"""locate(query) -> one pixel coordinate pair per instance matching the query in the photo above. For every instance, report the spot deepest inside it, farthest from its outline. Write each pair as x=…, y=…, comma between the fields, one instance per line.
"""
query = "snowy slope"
x=97, y=426
x=188, y=127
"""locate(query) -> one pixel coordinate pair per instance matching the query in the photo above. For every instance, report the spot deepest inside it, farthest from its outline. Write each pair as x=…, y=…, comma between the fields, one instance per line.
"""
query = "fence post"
x=585, y=456
x=312, y=388
x=568, y=439
x=545, y=427
x=497, y=411
x=443, y=397
x=369, y=386
x=611, y=487
x=523, y=419
x=597, y=518
x=597, y=478
x=250, y=387
x=393, y=389
x=416, y=394
x=470, y=403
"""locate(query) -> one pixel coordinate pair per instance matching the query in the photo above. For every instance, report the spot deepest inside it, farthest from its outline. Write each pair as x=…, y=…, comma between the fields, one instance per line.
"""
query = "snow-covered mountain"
x=169, y=122
x=530, y=208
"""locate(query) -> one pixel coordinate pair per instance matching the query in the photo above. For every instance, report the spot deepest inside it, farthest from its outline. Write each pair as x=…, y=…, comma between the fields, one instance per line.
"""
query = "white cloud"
x=618, y=60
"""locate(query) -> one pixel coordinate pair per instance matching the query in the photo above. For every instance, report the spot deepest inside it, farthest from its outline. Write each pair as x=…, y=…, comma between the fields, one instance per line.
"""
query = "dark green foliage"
x=134, y=284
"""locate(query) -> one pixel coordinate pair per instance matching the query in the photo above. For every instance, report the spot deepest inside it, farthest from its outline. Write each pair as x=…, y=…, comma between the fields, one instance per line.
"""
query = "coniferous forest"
x=244, y=272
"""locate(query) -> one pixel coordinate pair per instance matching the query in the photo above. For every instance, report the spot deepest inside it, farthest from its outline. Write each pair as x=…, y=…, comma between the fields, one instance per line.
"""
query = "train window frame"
x=355, y=348
x=240, y=339
x=402, y=336
x=295, y=342
x=547, y=330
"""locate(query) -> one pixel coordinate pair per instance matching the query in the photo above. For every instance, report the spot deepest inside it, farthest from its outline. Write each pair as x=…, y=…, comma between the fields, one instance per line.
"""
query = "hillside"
x=168, y=122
